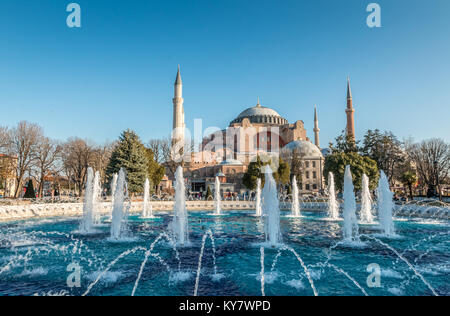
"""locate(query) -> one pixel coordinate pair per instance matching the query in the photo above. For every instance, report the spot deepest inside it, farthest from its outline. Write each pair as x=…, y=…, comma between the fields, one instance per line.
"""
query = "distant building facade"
x=8, y=181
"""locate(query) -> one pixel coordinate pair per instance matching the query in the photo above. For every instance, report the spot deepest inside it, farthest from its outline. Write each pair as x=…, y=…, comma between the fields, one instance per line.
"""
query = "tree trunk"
x=18, y=188
x=41, y=186
x=411, y=192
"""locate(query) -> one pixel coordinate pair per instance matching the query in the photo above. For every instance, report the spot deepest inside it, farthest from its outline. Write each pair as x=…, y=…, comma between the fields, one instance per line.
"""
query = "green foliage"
x=359, y=165
x=155, y=172
x=254, y=171
x=409, y=178
x=283, y=174
x=131, y=155
x=29, y=193
x=345, y=144
x=250, y=178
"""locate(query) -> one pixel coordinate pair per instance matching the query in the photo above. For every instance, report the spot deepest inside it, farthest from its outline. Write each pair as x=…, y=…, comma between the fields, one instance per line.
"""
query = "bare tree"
x=432, y=161
x=386, y=150
x=166, y=156
x=77, y=155
x=101, y=157
x=46, y=157
x=156, y=146
x=4, y=139
x=296, y=161
x=24, y=142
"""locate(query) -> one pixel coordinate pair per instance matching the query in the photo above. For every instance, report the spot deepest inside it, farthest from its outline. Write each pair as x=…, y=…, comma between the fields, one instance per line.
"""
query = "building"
x=8, y=181
x=312, y=163
x=350, y=112
x=256, y=131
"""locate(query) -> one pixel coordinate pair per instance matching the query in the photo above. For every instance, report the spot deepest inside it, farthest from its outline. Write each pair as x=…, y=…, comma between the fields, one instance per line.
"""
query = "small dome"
x=220, y=175
x=307, y=149
x=231, y=162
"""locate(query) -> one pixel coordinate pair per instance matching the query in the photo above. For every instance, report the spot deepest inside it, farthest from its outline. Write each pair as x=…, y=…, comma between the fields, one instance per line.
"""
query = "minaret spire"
x=178, y=81
x=316, y=128
x=350, y=111
x=178, y=111
x=349, y=90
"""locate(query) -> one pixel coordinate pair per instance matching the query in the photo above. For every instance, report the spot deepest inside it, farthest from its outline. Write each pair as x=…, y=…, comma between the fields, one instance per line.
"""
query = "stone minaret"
x=178, y=111
x=316, y=128
x=350, y=111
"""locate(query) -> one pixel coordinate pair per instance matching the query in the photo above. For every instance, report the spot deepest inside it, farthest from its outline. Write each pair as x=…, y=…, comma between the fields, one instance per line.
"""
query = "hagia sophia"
x=256, y=131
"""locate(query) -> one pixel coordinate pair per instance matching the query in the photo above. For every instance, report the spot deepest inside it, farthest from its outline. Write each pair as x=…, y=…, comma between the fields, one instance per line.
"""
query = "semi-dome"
x=261, y=114
x=307, y=149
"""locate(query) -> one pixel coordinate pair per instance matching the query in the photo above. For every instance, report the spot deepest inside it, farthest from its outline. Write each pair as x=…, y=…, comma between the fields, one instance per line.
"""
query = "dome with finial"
x=261, y=115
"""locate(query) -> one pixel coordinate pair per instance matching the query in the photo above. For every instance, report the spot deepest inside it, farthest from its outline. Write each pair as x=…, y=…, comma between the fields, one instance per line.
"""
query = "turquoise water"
x=35, y=254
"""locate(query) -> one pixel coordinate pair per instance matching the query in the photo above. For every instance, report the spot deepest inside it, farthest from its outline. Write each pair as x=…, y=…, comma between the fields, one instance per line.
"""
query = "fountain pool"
x=35, y=256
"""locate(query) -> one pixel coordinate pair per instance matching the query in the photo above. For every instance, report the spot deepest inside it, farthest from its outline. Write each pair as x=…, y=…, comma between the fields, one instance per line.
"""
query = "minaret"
x=316, y=128
x=178, y=111
x=350, y=111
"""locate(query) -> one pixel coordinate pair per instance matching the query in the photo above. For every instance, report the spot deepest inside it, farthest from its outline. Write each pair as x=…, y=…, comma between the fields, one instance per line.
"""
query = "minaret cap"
x=349, y=91
x=178, y=80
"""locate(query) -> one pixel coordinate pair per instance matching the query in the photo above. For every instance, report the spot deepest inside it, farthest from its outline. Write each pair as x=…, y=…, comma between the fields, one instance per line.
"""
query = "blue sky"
x=117, y=70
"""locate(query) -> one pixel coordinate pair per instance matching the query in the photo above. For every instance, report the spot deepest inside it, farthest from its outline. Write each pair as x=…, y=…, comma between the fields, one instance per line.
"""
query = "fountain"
x=295, y=207
x=385, y=206
x=366, y=201
x=350, y=222
x=179, y=225
x=217, y=198
x=96, y=193
x=87, y=223
x=148, y=210
x=119, y=213
x=258, y=198
x=113, y=190
x=271, y=210
x=333, y=206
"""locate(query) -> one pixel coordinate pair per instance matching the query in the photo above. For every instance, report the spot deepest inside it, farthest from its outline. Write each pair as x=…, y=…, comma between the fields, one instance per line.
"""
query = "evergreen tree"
x=155, y=171
x=359, y=165
x=409, y=178
x=250, y=178
x=282, y=174
x=255, y=171
x=345, y=144
x=29, y=193
x=131, y=155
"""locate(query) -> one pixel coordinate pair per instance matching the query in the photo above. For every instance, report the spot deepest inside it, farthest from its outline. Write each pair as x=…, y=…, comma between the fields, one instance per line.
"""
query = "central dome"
x=261, y=114
x=258, y=110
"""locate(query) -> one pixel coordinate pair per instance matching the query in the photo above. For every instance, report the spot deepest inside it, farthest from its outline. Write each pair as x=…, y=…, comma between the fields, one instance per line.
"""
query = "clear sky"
x=117, y=71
